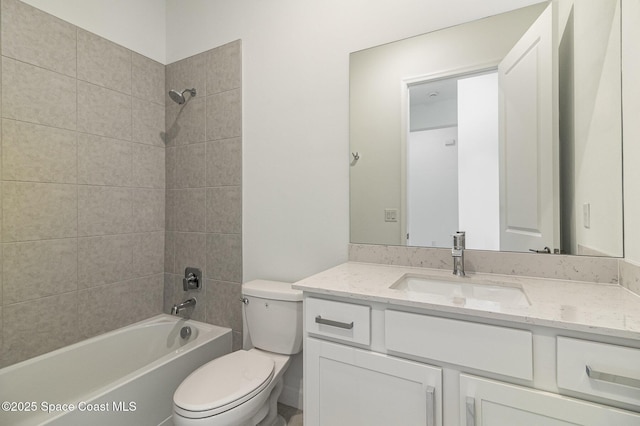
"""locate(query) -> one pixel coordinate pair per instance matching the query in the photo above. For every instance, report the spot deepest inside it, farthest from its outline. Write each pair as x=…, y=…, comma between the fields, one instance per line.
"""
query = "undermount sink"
x=462, y=291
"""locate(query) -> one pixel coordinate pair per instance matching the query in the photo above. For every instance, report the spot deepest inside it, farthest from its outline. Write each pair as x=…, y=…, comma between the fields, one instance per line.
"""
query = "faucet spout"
x=457, y=252
x=175, y=310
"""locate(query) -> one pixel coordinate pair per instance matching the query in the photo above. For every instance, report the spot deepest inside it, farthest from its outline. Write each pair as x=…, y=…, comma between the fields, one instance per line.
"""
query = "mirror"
x=508, y=128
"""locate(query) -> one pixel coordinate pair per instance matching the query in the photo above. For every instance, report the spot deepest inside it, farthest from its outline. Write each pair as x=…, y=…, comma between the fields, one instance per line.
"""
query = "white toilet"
x=242, y=388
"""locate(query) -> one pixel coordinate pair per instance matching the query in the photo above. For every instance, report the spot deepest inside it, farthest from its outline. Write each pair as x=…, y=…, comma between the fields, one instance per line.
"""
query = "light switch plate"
x=390, y=215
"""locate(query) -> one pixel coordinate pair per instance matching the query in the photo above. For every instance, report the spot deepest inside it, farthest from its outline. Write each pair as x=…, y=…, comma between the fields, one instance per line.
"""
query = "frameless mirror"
x=508, y=128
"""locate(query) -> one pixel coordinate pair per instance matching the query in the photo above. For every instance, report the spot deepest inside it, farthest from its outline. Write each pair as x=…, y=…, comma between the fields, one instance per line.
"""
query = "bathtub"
x=124, y=377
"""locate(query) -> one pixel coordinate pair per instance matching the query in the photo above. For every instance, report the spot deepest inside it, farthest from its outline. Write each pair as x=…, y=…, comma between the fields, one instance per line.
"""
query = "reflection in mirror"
x=508, y=128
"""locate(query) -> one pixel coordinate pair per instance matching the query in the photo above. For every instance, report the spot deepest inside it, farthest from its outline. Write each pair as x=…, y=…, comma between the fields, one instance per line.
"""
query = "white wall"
x=139, y=25
x=597, y=123
x=432, y=115
x=478, y=161
x=432, y=187
x=631, y=135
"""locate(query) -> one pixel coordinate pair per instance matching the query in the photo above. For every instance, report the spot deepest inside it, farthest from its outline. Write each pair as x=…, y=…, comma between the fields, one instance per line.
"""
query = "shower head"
x=178, y=97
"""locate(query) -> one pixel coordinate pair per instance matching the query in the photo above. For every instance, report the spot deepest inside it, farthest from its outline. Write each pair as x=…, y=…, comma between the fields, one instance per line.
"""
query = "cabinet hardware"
x=612, y=378
x=332, y=323
x=471, y=411
x=431, y=406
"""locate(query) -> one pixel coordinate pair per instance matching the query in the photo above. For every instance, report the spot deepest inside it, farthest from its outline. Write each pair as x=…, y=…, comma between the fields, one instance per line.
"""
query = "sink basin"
x=461, y=291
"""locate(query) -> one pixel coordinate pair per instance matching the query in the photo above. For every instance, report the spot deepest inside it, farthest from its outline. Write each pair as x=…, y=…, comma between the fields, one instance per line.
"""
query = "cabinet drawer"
x=490, y=348
x=599, y=369
x=343, y=321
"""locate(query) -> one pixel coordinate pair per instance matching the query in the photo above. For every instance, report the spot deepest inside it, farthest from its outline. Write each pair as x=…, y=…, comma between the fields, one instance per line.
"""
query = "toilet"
x=242, y=388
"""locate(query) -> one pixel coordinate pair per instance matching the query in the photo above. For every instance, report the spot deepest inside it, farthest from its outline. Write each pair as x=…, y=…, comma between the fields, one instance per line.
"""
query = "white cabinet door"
x=352, y=387
x=489, y=403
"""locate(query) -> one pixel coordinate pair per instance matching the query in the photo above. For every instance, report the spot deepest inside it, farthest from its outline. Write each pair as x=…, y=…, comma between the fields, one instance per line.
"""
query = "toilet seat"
x=223, y=384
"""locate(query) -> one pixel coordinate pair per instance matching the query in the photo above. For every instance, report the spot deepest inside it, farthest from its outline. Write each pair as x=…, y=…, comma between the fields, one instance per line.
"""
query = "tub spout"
x=179, y=307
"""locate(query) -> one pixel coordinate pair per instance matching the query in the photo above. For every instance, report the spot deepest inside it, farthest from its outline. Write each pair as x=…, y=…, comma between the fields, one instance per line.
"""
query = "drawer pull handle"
x=332, y=323
x=471, y=411
x=431, y=406
x=612, y=378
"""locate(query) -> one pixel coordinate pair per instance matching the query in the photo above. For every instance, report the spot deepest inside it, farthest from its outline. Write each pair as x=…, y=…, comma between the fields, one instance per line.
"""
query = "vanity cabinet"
x=377, y=364
x=353, y=386
x=357, y=387
x=486, y=402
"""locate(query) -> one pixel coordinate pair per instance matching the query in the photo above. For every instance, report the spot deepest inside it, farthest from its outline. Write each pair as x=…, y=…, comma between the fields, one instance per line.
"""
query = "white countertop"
x=607, y=309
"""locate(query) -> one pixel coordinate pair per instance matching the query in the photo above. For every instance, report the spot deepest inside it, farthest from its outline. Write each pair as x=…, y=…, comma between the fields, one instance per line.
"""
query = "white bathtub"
x=124, y=377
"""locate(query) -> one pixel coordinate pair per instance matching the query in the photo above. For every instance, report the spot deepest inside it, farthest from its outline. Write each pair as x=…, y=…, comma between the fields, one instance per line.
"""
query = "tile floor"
x=292, y=415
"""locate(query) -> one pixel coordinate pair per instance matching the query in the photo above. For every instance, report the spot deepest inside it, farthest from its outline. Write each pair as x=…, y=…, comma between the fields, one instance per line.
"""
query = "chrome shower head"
x=178, y=97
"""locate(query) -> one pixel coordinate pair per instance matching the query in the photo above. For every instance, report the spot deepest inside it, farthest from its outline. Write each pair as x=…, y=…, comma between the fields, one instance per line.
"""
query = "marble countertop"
x=607, y=309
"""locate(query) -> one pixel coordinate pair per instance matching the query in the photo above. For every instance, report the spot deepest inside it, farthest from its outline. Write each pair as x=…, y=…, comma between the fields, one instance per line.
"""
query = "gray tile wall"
x=204, y=185
x=83, y=184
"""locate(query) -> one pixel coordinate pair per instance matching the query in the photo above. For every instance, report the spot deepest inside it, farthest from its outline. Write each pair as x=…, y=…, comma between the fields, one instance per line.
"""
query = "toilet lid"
x=224, y=383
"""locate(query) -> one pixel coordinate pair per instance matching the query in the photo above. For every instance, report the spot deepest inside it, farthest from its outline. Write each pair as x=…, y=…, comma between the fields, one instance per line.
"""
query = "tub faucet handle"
x=192, y=278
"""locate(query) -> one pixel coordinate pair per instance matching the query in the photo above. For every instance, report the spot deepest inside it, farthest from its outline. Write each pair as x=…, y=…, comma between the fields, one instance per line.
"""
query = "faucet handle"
x=458, y=240
x=191, y=280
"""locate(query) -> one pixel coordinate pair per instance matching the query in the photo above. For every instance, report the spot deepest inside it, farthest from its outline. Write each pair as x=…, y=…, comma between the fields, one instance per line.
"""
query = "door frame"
x=405, y=84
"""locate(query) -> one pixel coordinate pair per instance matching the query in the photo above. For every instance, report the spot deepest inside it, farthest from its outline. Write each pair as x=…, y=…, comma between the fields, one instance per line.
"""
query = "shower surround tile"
x=222, y=304
x=36, y=95
x=38, y=269
x=148, y=210
x=224, y=162
x=170, y=167
x=76, y=214
x=224, y=210
x=104, y=210
x=104, y=260
x=38, y=153
x=148, y=123
x=104, y=161
x=38, y=211
x=103, y=62
x=224, y=115
x=30, y=35
x=148, y=253
x=148, y=79
x=190, y=251
x=186, y=74
x=169, y=253
x=204, y=177
x=189, y=168
x=224, y=257
x=224, y=68
x=38, y=326
x=185, y=124
x=103, y=112
x=188, y=209
x=107, y=307
x=148, y=166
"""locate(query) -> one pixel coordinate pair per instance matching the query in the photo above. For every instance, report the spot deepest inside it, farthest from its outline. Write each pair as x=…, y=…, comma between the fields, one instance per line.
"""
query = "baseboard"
x=291, y=396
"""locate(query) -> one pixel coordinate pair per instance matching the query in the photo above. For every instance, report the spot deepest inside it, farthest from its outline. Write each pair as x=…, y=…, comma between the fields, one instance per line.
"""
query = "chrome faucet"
x=187, y=303
x=457, y=252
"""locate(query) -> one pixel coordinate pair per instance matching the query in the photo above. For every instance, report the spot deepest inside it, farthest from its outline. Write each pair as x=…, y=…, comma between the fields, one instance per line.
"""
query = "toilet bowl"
x=242, y=388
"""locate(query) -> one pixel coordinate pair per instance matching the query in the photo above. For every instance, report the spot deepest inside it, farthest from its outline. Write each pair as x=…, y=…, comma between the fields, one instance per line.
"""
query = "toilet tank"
x=273, y=312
